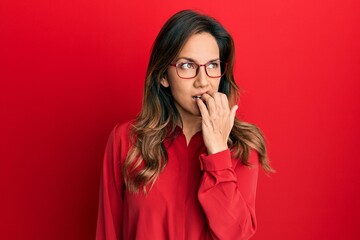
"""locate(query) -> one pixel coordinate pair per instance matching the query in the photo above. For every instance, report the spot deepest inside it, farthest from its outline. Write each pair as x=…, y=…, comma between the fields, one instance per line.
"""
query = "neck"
x=190, y=126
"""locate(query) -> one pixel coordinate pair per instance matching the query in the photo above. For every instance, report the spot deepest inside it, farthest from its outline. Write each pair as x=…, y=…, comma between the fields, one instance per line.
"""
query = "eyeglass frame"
x=198, y=69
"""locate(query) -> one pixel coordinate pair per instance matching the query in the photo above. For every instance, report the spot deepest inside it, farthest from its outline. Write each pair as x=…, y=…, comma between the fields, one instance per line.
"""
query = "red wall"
x=70, y=70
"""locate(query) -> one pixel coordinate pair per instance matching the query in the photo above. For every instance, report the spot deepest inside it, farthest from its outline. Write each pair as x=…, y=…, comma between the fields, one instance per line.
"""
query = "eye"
x=186, y=65
x=212, y=65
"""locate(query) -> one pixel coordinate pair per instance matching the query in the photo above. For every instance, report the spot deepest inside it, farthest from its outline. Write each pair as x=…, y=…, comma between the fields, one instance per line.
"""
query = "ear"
x=164, y=82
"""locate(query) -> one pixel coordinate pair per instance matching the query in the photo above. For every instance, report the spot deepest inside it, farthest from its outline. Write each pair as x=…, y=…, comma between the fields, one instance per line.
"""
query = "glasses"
x=188, y=70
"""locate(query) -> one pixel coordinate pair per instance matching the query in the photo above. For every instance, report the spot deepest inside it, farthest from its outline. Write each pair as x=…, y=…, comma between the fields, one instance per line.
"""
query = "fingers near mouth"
x=195, y=98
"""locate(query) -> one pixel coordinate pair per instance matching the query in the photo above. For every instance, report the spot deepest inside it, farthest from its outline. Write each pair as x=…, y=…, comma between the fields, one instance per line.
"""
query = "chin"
x=196, y=112
x=197, y=115
x=189, y=110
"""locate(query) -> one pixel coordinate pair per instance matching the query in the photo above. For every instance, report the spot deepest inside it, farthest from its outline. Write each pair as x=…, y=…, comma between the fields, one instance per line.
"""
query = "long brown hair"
x=158, y=117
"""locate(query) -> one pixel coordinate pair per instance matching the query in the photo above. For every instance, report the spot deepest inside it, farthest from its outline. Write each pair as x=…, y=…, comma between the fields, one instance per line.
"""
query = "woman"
x=185, y=168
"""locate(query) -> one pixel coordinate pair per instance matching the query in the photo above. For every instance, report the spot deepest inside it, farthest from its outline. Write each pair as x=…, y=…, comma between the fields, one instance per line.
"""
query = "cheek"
x=179, y=97
x=216, y=85
x=180, y=90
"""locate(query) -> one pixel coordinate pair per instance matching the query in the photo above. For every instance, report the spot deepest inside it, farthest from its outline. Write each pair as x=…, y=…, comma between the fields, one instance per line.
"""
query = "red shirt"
x=197, y=196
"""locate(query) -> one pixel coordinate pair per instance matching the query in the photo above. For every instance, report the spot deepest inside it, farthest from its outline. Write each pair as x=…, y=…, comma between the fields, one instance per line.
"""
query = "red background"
x=70, y=70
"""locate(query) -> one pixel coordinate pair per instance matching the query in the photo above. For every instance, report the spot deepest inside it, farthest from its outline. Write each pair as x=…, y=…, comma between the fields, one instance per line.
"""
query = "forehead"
x=201, y=47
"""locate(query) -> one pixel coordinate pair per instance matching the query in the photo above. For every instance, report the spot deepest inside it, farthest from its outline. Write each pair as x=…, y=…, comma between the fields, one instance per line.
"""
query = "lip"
x=198, y=95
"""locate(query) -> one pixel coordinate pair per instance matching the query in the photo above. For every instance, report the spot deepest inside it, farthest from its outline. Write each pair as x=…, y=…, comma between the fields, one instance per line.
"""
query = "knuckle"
x=210, y=99
x=214, y=117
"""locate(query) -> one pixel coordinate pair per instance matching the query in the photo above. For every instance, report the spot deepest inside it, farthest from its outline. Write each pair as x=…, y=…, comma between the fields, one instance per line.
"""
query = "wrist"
x=216, y=149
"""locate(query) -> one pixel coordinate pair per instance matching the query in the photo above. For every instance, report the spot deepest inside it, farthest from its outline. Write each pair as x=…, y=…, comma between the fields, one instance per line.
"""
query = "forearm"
x=229, y=210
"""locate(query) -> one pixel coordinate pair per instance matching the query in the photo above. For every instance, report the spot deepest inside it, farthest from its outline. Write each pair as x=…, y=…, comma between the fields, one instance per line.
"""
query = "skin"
x=211, y=114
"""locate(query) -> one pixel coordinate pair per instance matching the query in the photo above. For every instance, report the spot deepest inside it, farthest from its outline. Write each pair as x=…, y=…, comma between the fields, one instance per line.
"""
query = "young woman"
x=185, y=168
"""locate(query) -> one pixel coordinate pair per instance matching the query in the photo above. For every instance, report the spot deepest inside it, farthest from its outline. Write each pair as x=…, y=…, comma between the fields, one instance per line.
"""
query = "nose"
x=201, y=78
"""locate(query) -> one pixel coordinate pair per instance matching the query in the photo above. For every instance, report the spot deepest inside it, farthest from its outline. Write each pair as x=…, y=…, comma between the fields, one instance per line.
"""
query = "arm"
x=109, y=222
x=227, y=195
x=227, y=190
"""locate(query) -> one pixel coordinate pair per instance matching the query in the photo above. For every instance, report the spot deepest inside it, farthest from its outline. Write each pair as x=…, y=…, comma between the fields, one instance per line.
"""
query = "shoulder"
x=253, y=159
x=122, y=128
x=120, y=135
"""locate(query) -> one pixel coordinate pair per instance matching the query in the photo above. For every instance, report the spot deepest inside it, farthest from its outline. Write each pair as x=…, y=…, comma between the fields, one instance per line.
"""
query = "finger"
x=203, y=110
x=218, y=101
x=225, y=102
x=217, y=98
x=210, y=103
x=233, y=114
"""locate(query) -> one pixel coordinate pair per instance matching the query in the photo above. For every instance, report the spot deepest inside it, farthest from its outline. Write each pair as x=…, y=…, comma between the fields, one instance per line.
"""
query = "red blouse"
x=197, y=196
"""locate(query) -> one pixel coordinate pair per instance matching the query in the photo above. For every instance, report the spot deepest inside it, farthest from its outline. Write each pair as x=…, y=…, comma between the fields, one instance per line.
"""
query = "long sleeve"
x=109, y=222
x=227, y=195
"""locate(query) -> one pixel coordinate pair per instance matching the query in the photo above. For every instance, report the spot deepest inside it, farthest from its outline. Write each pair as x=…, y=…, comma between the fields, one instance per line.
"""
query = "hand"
x=217, y=121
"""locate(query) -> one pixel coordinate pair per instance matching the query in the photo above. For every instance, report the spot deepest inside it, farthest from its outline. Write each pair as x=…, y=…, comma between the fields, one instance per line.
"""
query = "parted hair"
x=158, y=117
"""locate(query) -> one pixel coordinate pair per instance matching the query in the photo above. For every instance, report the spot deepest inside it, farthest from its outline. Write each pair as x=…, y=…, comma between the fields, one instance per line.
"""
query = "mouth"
x=196, y=97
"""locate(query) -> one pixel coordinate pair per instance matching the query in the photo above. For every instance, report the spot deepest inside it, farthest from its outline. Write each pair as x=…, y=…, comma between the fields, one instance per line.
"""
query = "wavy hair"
x=158, y=117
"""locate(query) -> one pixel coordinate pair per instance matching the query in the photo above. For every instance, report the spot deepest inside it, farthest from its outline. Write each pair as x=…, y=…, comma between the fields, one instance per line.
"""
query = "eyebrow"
x=192, y=60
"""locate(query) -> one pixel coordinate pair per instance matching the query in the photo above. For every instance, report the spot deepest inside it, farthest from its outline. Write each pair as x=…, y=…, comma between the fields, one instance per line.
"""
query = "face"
x=200, y=48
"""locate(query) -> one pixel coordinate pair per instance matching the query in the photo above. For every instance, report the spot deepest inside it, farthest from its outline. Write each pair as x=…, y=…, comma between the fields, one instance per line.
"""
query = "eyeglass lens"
x=190, y=69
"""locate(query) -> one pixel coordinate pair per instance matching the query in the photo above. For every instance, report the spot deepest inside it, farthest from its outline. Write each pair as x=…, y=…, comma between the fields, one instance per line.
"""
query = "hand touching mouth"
x=196, y=97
